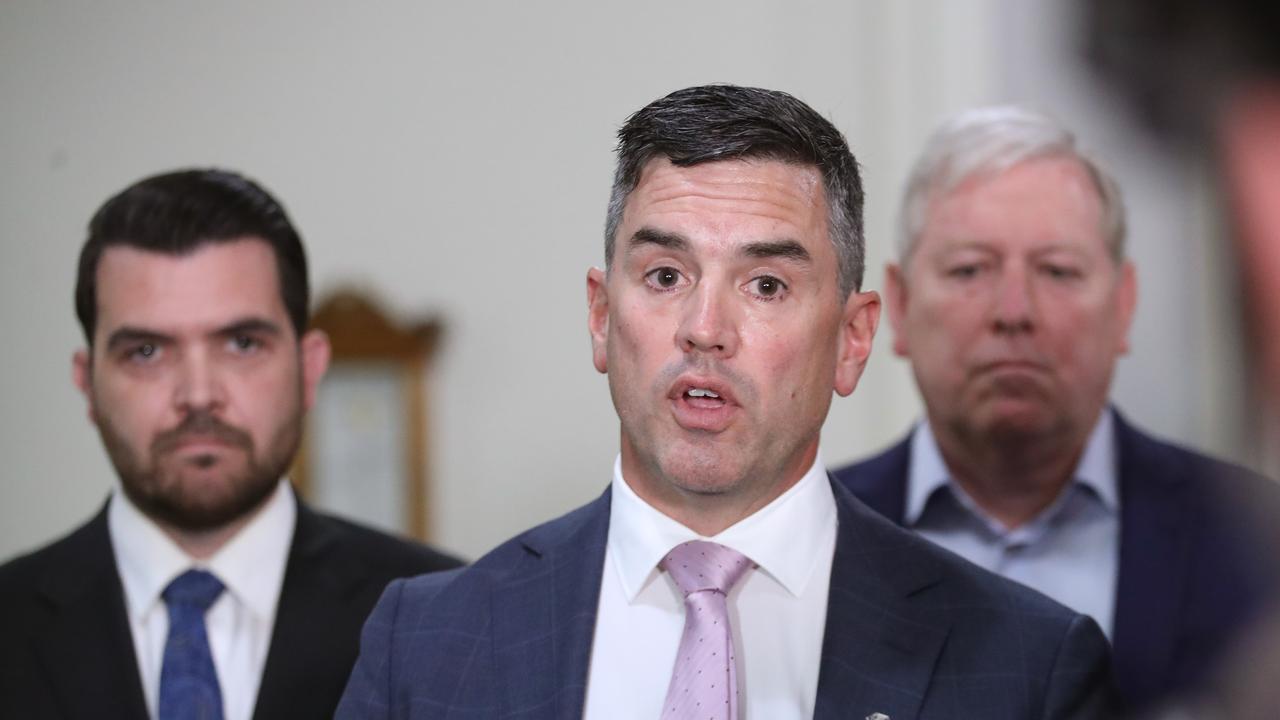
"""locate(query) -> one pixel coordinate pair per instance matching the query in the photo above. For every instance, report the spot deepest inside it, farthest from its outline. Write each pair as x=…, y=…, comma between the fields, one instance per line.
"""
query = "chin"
x=702, y=472
x=1020, y=420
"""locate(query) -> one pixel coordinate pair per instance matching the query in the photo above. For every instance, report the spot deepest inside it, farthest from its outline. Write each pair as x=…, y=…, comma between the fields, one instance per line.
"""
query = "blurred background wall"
x=454, y=159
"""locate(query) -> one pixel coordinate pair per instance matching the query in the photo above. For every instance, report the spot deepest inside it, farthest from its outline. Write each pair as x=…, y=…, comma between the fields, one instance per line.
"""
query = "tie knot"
x=196, y=588
x=703, y=565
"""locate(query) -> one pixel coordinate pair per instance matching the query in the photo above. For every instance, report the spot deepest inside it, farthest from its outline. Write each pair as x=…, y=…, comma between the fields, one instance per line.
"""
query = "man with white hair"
x=1012, y=297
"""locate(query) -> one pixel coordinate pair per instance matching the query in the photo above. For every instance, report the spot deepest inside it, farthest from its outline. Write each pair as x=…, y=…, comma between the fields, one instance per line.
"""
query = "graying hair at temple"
x=727, y=122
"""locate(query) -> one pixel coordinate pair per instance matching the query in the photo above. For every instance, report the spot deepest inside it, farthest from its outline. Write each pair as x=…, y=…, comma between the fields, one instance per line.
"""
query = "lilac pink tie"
x=704, y=683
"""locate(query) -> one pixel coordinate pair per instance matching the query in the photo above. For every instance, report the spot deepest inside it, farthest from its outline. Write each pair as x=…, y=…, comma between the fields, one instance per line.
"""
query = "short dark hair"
x=179, y=212
x=727, y=122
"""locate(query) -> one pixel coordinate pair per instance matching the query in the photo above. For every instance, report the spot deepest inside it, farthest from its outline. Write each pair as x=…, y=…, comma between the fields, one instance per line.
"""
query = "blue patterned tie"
x=188, y=683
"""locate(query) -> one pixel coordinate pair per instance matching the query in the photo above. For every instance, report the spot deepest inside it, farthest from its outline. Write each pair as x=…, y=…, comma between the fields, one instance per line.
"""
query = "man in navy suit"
x=1012, y=298
x=728, y=313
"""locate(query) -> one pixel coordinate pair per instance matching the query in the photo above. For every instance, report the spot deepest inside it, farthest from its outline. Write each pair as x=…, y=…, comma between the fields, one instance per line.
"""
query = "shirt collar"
x=1096, y=469
x=250, y=565
x=1098, y=465
x=784, y=538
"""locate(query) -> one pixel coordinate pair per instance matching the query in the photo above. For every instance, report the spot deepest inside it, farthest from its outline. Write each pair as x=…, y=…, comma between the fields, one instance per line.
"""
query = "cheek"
x=135, y=407
x=1085, y=343
x=639, y=339
x=942, y=330
x=260, y=399
x=791, y=365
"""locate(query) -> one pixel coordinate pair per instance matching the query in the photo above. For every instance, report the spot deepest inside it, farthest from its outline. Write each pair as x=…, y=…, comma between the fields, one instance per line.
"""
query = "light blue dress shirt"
x=1069, y=551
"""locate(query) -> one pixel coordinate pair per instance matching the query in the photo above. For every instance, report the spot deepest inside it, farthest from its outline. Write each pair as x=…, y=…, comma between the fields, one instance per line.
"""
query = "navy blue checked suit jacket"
x=1191, y=575
x=912, y=632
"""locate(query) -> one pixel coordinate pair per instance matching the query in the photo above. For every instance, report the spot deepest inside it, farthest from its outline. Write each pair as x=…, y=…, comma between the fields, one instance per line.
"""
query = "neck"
x=1011, y=479
x=204, y=544
x=710, y=515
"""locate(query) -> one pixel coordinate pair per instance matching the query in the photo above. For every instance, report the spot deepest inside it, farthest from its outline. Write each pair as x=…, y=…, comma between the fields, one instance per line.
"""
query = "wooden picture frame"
x=364, y=449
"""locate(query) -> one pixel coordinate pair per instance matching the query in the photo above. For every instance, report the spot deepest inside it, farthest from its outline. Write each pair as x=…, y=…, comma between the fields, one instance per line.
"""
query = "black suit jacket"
x=912, y=632
x=66, y=650
x=1191, y=573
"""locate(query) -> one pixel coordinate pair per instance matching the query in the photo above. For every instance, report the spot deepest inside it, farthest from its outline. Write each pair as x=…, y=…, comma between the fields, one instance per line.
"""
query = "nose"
x=1014, y=302
x=708, y=324
x=199, y=384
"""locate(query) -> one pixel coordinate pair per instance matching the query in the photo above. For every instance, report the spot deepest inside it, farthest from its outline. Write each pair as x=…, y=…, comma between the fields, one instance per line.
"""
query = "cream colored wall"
x=453, y=157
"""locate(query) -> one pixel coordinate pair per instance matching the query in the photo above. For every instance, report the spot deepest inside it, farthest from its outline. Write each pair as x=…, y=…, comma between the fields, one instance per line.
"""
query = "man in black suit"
x=1012, y=298
x=203, y=588
x=723, y=568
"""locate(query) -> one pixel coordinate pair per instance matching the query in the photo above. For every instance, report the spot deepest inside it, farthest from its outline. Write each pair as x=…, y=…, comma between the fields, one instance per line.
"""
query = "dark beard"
x=158, y=489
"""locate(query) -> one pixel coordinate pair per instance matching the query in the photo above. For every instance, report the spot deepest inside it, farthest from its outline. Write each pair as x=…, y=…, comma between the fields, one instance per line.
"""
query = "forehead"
x=1043, y=200
x=728, y=198
x=218, y=283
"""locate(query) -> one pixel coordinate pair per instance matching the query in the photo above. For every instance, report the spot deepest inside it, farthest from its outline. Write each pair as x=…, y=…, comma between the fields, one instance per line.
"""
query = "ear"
x=1126, y=302
x=857, y=329
x=82, y=376
x=598, y=318
x=895, y=290
x=315, y=351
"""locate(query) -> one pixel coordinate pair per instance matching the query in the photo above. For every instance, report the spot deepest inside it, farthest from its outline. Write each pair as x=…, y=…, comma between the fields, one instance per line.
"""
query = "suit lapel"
x=877, y=655
x=309, y=657
x=1153, y=564
x=544, y=615
x=87, y=649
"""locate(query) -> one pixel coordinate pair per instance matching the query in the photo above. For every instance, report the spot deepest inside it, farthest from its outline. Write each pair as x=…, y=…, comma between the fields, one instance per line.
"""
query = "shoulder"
x=85, y=547
x=1218, y=497
x=944, y=589
x=448, y=598
x=880, y=481
x=988, y=632
x=377, y=552
x=884, y=466
x=1141, y=453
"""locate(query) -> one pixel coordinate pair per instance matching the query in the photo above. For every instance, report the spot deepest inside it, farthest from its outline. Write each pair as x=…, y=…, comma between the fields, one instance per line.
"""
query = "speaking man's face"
x=1011, y=307
x=197, y=381
x=723, y=330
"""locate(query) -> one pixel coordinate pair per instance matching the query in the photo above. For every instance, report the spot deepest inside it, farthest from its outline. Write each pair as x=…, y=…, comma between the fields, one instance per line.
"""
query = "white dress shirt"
x=778, y=611
x=1069, y=551
x=239, y=624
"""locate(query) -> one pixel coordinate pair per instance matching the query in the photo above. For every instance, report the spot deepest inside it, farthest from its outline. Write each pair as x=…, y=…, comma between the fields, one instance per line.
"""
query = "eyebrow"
x=785, y=249
x=259, y=326
x=782, y=249
x=131, y=335
x=651, y=236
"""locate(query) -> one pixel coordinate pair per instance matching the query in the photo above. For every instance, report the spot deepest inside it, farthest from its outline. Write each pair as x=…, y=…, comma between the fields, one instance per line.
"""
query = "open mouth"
x=703, y=398
x=702, y=404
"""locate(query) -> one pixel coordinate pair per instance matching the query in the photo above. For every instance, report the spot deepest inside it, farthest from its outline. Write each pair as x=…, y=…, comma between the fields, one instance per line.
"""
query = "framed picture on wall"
x=364, y=452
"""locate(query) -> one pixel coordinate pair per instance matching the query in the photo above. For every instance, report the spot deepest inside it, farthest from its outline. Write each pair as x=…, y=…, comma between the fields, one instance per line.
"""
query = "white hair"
x=987, y=141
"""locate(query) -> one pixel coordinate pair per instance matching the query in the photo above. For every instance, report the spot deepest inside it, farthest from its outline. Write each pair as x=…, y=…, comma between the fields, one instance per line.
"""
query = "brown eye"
x=767, y=286
x=664, y=277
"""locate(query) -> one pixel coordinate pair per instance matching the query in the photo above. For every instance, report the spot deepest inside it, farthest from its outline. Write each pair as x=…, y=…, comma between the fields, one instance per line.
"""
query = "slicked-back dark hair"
x=729, y=122
x=179, y=212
